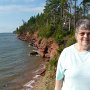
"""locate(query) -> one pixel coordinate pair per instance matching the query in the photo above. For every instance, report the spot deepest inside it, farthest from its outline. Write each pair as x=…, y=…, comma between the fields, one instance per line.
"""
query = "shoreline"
x=46, y=48
x=37, y=74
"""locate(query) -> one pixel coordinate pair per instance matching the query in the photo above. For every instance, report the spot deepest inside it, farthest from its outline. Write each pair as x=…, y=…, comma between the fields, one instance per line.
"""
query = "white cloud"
x=11, y=1
x=22, y=1
x=20, y=8
x=29, y=0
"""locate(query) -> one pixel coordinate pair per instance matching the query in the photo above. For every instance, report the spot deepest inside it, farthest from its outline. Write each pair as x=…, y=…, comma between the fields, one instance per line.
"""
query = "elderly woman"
x=73, y=69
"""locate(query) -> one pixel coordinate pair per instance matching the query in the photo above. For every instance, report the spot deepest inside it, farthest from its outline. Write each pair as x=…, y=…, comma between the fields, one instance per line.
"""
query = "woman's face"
x=83, y=38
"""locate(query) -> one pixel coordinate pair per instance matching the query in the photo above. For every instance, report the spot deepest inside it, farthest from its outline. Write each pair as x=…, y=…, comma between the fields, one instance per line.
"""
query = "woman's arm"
x=58, y=84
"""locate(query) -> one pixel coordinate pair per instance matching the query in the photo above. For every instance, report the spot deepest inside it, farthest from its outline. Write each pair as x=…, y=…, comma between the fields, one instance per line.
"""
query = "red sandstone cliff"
x=46, y=47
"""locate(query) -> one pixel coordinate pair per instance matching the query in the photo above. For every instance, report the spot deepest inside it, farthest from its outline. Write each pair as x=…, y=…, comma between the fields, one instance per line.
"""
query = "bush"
x=46, y=31
x=60, y=48
x=53, y=63
x=59, y=38
x=71, y=40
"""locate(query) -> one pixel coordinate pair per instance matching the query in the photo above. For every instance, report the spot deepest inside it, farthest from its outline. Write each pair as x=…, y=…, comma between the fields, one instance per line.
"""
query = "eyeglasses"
x=84, y=33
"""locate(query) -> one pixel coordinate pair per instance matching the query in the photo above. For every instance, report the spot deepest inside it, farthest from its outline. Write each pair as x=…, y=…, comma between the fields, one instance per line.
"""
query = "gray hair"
x=83, y=24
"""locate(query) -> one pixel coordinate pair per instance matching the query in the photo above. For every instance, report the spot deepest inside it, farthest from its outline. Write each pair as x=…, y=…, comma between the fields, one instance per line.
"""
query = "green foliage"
x=59, y=38
x=71, y=40
x=88, y=16
x=58, y=35
x=21, y=29
x=61, y=48
x=53, y=63
x=47, y=31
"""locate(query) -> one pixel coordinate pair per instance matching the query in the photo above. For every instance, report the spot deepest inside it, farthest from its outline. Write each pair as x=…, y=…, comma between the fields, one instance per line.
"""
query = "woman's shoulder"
x=69, y=48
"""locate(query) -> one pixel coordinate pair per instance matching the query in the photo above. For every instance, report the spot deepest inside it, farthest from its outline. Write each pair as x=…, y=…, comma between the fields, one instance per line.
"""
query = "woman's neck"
x=81, y=48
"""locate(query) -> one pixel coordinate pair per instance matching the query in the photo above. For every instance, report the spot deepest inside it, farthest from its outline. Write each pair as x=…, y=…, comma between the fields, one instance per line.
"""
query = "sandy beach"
x=37, y=74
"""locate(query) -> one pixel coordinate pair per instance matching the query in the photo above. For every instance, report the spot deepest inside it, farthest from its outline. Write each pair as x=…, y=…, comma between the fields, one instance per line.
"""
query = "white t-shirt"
x=74, y=67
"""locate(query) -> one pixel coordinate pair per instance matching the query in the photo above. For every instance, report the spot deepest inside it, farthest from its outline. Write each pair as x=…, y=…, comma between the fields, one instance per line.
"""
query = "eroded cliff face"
x=46, y=47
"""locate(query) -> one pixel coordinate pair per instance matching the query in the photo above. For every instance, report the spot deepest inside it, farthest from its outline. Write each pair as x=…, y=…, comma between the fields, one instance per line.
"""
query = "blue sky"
x=12, y=12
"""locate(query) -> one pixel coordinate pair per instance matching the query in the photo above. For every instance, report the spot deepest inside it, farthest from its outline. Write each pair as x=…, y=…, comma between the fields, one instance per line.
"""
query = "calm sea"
x=16, y=65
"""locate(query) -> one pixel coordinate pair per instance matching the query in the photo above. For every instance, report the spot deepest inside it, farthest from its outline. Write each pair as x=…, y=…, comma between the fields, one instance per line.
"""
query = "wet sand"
x=35, y=77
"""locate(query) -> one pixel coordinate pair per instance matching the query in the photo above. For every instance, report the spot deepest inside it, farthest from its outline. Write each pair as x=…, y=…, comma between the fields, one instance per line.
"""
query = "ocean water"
x=16, y=65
